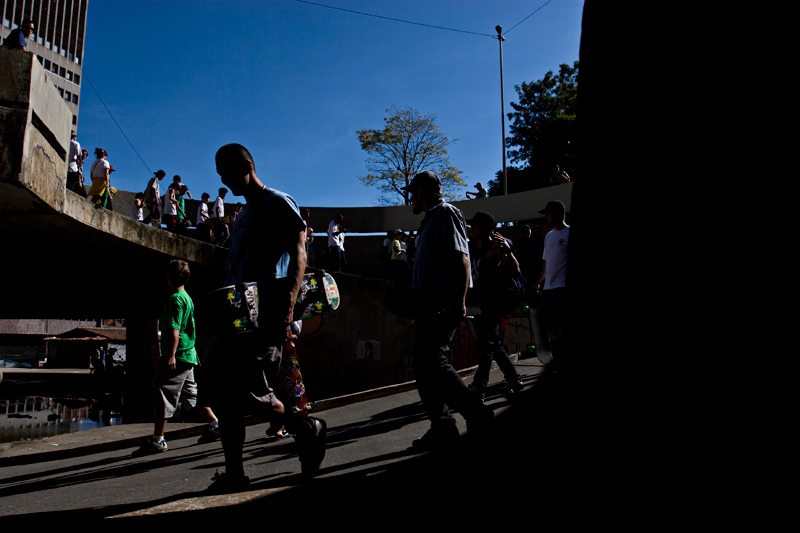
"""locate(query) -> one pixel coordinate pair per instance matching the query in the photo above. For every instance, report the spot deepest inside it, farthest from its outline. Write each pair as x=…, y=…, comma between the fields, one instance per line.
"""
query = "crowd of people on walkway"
x=452, y=256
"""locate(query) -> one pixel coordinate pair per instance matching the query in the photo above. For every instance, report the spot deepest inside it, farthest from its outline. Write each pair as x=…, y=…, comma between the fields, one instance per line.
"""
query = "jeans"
x=490, y=348
x=439, y=385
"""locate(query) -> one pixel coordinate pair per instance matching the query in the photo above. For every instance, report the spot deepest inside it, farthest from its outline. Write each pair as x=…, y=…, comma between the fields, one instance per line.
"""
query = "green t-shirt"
x=178, y=314
x=181, y=203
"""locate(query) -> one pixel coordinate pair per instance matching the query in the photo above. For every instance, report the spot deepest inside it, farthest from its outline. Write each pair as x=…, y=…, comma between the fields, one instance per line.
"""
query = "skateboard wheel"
x=525, y=308
x=531, y=348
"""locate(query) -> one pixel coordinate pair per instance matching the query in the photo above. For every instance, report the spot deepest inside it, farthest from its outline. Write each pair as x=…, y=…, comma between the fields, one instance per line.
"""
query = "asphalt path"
x=369, y=463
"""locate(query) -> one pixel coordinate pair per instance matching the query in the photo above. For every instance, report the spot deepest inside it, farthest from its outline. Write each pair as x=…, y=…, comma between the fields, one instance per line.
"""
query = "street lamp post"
x=500, y=39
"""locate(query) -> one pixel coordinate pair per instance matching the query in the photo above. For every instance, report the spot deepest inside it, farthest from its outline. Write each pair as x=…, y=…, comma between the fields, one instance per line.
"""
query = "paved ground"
x=369, y=466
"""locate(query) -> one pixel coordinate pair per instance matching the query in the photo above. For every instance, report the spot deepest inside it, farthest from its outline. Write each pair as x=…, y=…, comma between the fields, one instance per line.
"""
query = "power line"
x=526, y=18
x=115, y=121
x=394, y=19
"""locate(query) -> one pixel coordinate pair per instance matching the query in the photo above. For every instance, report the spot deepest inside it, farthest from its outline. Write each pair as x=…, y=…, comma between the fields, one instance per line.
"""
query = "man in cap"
x=482, y=193
x=554, y=268
x=441, y=268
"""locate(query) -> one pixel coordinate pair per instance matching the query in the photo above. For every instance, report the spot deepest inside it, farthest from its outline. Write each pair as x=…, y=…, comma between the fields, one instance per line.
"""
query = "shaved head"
x=233, y=155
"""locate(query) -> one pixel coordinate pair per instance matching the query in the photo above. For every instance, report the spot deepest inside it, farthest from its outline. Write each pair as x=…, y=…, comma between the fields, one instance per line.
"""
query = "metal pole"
x=500, y=39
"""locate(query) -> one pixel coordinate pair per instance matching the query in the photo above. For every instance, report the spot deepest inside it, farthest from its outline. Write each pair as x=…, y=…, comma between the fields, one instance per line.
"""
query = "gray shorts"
x=171, y=385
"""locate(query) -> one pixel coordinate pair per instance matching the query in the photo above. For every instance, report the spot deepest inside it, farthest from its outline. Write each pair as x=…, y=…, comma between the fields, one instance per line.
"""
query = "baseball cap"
x=483, y=219
x=427, y=181
x=554, y=206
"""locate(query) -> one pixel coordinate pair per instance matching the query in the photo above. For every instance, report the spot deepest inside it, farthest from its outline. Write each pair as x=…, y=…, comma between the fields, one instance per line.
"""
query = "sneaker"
x=437, y=439
x=273, y=433
x=511, y=387
x=225, y=484
x=312, y=446
x=150, y=447
x=210, y=435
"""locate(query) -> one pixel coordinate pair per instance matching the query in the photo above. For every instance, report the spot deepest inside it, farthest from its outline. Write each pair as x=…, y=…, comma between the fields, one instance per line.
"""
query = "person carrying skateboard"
x=494, y=268
x=441, y=269
x=267, y=247
x=175, y=375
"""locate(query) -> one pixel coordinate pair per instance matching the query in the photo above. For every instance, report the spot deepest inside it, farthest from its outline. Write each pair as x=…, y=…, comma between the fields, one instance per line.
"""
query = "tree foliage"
x=409, y=143
x=543, y=127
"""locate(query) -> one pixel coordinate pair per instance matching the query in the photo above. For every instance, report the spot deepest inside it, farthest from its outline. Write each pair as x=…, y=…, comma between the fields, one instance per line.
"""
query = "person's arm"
x=540, y=279
x=169, y=347
x=294, y=279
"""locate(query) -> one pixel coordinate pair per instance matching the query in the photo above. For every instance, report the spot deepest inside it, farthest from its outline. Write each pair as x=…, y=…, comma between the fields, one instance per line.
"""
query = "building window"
x=69, y=75
x=55, y=68
x=60, y=91
x=75, y=99
x=47, y=64
x=62, y=72
x=47, y=45
x=6, y=23
x=41, y=59
x=67, y=96
x=76, y=79
x=74, y=119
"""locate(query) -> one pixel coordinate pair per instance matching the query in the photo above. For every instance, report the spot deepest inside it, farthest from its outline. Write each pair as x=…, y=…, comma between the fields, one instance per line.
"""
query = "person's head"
x=479, y=186
x=238, y=207
x=139, y=196
x=27, y=27
x=85, y=153
x=554, y=212
x=482, y=224
x=222, y=192
x=160, y=174
x=398, y=234
x=556, y=169
x=73, y=135
x=526, y=230
x=305, y=213
x=100, y=153
x=235, y=167
x=176, y=179
x=339, y=218
x=177, y=273
x=205, y=197
x=425, y=189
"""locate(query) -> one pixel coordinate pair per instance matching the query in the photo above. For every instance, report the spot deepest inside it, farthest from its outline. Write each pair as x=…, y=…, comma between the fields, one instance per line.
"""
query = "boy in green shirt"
x=175, y=373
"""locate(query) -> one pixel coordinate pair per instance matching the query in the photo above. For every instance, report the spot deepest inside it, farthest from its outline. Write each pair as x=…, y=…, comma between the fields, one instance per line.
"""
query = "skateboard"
x=235, y=308
x=423, y=303
x=318, y=294
x=541, y=337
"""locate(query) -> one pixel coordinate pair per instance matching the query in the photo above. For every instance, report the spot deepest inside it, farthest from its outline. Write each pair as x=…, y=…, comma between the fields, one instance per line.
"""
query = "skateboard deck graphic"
x=235, y=308
x=231, y=309
x=318, y=294
x=290, y=389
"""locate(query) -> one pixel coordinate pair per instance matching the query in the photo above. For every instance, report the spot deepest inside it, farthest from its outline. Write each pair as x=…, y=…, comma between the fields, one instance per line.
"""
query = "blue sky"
x=293, y=82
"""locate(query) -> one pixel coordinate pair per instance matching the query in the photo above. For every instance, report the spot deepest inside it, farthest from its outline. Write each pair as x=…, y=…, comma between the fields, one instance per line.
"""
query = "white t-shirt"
x=98, y=168
x=555, y=253
x=219, y=208
x=202, y=210
x=335, y=240
x=136, y=212
x=74, y=154
x=169, y=207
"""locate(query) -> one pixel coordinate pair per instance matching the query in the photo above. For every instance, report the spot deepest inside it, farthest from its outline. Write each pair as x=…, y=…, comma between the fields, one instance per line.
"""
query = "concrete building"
x=57, y=41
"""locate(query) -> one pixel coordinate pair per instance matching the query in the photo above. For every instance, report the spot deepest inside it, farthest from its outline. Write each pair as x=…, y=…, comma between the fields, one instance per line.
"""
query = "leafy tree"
x=410, y=143
x=543, y=127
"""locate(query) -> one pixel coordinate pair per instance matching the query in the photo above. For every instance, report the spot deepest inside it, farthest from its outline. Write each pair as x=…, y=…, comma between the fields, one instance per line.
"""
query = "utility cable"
x=526, y=18
x=115, y=121
x=394, y=19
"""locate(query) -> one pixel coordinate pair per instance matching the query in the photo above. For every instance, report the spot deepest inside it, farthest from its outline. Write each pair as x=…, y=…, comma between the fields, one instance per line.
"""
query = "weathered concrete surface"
x=55, y=240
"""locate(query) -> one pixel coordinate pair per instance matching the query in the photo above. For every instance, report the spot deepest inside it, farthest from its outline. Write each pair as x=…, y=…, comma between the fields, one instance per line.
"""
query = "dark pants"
x=439, y=385
x=241, y=369
x=336, y=260
x=490, y=348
